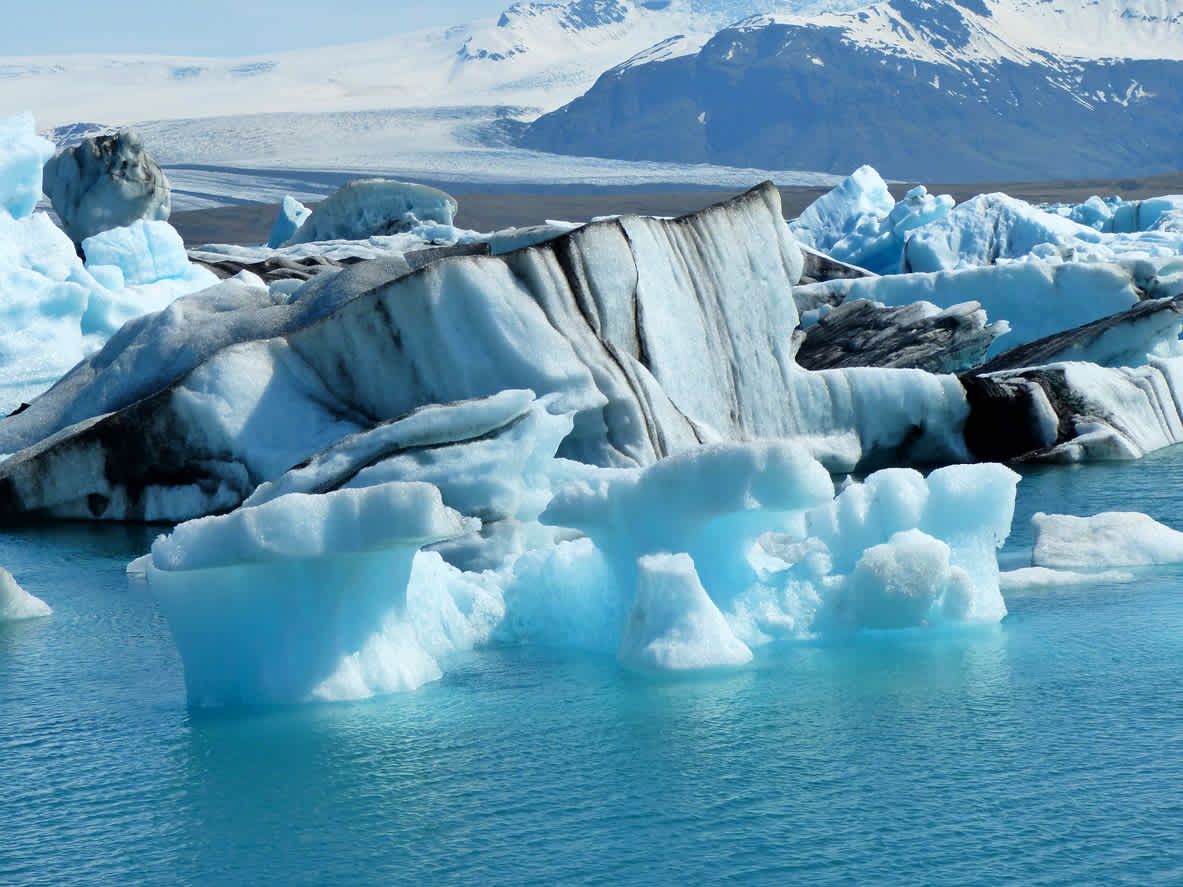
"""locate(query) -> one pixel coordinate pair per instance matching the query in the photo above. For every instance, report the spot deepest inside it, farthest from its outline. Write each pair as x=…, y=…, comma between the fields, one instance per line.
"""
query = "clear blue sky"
x=219, y=27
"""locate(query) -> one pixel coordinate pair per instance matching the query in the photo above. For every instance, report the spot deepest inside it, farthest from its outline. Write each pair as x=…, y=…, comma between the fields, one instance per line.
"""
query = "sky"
x=219, y=27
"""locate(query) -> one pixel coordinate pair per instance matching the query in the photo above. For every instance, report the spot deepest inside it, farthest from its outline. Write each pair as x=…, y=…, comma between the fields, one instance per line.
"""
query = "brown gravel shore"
x=251, y=223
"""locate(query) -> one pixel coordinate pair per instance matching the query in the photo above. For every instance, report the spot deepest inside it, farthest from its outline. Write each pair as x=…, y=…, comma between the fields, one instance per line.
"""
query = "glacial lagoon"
x=1047, y=749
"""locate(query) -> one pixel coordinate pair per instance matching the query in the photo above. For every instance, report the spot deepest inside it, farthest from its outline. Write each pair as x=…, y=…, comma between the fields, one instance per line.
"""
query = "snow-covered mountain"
x=438, y=105
x=534, y=55
x=975, y=89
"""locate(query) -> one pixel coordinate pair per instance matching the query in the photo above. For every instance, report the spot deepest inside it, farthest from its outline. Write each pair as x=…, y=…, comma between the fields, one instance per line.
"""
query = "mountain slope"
x=926, y=90
x=535, y=55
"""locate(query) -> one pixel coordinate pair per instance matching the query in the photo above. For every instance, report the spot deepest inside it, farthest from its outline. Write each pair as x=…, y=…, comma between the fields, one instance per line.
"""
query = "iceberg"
x=16, y=604
x=292, y=214
x=861, y=224
x=23, y=153
x=995, y=228
x=107, y=181
x=367, y=207
x=268, y=603
x=53, y=309
x=1108, y=539
x=686, y=564
x=1035, y=299
x=1074, y=412
x=1036, y=578
x=656, y=335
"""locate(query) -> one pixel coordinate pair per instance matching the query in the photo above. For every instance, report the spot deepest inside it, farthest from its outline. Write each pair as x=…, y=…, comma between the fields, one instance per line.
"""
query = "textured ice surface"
x=367, y=207
x=53, y=309
x=860, y=223
x=107, y=181
x=1036, y=299
x=16, y=603
x=144, y=251
x=1108, y=539
x=1120, y=413
x=994, y=228
x=657, y=335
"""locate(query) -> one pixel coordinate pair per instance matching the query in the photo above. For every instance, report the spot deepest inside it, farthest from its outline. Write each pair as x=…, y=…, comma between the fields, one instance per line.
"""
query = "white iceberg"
x=16, y=604
x=366, y=207
x=688, y=563
x=1108, y=539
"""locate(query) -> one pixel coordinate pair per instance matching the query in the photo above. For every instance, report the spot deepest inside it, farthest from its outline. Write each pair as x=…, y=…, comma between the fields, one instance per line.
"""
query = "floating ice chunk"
x=292, y=214
x=16, y=603
x=266, y=604
x=1108, y=539
x=711, y=502
x=969, y=507
x=720, y=505
x=673, y=624
x=1031, y=578
x=22, y=155
x=53, y=310
x=368, y=207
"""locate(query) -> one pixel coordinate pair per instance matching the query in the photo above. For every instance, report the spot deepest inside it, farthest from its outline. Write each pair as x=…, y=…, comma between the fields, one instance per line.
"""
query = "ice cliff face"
x=927, y=90
x=655, y=335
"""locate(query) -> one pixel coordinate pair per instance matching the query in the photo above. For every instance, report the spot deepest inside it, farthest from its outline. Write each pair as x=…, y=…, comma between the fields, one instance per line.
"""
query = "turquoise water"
x=1045, y=750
